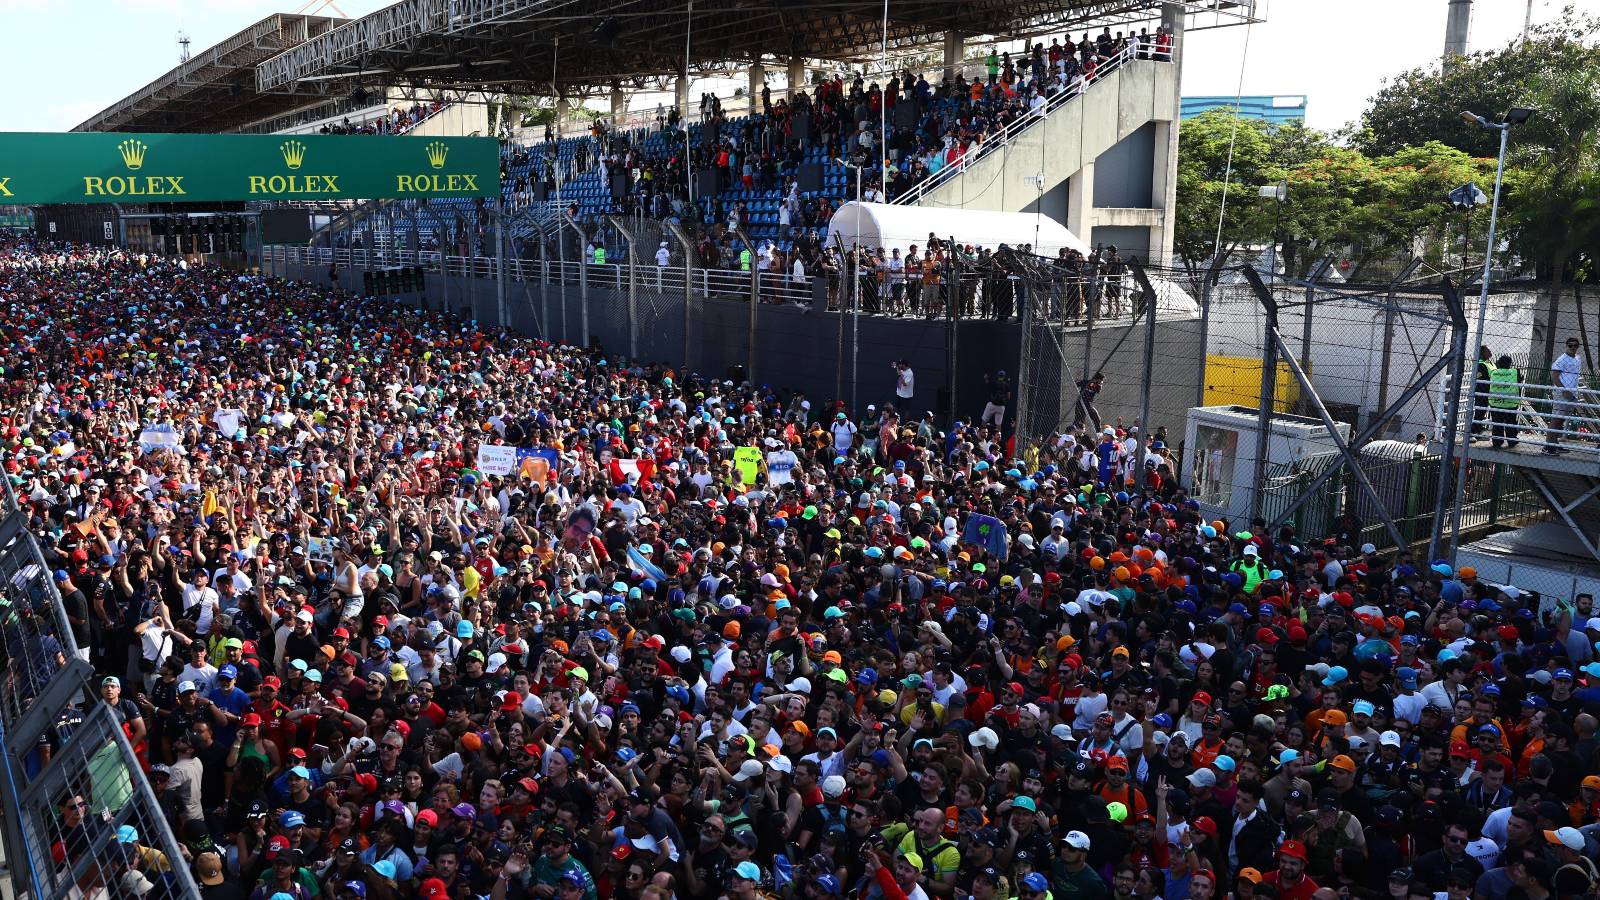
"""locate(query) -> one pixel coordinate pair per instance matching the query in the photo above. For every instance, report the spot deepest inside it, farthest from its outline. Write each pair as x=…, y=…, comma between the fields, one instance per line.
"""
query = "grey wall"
x=800, y=350
x=1130, y=240
x=1122, y=174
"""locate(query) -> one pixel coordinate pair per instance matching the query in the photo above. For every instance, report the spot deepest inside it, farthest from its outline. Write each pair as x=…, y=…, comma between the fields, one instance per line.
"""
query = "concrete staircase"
x=1048, y=164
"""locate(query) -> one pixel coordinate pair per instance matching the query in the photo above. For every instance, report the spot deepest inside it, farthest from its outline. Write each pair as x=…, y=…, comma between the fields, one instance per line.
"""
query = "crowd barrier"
x=80, y=820
x=1543, y=416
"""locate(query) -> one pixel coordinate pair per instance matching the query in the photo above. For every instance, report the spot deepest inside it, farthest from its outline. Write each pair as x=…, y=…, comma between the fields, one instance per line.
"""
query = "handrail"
x=1053, y=101
x=1538, y=405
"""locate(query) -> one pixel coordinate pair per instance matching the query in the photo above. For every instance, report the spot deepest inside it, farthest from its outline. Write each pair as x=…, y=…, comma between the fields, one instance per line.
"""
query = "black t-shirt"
x=77, y=609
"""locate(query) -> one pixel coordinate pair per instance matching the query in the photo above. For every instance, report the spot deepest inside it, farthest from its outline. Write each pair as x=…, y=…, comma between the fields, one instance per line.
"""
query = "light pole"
x=1278, y=192
x=1514, y=116
x=855, y=289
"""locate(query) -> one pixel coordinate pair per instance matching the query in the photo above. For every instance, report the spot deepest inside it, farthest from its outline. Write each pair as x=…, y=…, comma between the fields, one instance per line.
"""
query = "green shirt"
x=544, y=872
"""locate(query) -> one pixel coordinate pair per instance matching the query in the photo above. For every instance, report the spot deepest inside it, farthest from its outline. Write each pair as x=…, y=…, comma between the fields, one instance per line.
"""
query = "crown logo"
x=436, y=154
x=294, y=153
x=133, y=151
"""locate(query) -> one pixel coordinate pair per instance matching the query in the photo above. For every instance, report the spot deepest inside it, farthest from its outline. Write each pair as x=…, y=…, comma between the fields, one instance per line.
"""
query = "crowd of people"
x=396, y=121
x=700, y=639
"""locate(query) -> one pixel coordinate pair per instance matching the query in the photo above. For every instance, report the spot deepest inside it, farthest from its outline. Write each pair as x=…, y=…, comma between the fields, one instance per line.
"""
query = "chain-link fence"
x=79, y=817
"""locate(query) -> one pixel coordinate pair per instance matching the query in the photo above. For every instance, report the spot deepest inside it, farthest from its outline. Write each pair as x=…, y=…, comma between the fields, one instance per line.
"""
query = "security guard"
x=599, y=255
x=1250, y=568
x=1505, y=395
x=744, y=259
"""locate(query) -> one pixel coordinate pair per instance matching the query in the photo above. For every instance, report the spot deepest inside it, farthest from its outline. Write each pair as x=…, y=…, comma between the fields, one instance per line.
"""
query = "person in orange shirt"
x=1118, y=789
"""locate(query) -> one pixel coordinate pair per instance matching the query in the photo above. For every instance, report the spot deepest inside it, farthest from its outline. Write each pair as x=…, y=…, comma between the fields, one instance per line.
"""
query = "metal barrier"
x=1545, y=415
x=79, y=816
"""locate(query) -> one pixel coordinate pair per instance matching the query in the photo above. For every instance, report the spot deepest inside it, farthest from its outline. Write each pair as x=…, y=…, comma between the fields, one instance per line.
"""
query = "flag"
x=642, y=566
x=632, y=470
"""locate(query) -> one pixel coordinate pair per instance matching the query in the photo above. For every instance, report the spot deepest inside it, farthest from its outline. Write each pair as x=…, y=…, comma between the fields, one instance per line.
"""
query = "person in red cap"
x=1290, y=876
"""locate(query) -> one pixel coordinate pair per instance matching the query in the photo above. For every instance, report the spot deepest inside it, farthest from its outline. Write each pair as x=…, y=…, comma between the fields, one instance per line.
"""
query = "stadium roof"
x=524, y=44
x=215, y=90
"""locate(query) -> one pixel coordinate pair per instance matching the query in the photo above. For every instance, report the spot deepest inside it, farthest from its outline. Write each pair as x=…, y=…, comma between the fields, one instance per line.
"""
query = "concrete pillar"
x=1165, y=176
x=797, y=74
x=954, y=49
x=1080, y=204
x=1457, y=29
x=619, y=103
x=563, y=110
x=680, y=95
x=758, y=79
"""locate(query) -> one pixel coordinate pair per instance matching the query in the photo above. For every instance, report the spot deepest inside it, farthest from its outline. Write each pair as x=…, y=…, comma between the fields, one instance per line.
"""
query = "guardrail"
x=1554, y=419
x=1083, y=301
x=79, y=816
x=1054, y=101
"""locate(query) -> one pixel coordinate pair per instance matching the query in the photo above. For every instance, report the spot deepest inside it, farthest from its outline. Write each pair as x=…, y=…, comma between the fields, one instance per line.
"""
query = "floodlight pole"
x=1453, y=417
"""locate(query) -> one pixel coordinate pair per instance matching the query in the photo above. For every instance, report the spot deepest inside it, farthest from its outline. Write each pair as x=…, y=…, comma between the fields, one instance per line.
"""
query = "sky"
x=77, y=57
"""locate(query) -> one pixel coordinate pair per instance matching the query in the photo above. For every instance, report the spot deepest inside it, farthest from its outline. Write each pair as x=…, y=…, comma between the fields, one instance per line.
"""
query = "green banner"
x=110, y=167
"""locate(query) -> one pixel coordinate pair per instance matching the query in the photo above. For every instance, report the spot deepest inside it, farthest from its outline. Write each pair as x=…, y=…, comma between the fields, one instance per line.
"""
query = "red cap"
x=402, y=726
x=1460, y=748
x=1266, y=636
x=511, y=701
x=533, y=749
x=368, y=782
x=381, y=621
x=1508, y=633
x=433, y=889
x=297, y=752
x=251, y=720
x=272, y=681
x=429, y=818
x=341, y=632
x=1201, y=697
x=531, y=785
x=654, y=642
x=1294, y=849
x=1205, y=825
x=622, y=851
x=1014, y=688
x=277, y=845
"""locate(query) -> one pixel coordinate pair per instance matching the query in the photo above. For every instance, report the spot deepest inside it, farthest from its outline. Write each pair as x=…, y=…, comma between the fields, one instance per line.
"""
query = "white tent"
x=893, y=227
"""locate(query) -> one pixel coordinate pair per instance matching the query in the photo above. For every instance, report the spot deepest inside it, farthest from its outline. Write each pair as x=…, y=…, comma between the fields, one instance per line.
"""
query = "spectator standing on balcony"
x=1566, y=373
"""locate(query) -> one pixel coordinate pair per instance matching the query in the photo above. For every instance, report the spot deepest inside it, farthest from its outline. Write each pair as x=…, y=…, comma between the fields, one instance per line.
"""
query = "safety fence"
x=79, y=816
x=1519, y=414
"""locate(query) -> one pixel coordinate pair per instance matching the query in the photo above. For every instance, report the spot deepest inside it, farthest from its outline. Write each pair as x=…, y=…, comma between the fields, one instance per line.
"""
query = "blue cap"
x=1035, y=881
x=291, y=818
x=381, y=642
x=127, y=834
x=748, y=870
x=1224, y=763
x=828, y=883
x=463, y=629
x=868, y=677
x=1406, y=676
x=384, y=867
x=1562, y=673
x=1288, y=756
x=1362, y=708
x=61, y=575
x=1238, y=608
x=628, y=706
x=301, y=772
x=1335, y=675
x=228, y=671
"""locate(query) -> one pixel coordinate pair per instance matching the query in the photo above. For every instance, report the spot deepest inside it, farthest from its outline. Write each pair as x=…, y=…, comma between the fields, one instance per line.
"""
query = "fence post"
x=633, y=287
x=1147, y=372
x=583, y=283
x=688, y=291
x=1269, y=386
x=1494, y=493
x=755, y=300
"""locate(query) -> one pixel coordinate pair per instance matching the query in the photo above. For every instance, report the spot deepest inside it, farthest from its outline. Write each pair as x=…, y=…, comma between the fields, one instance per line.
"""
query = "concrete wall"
x=801, y=350
x=1122, y=174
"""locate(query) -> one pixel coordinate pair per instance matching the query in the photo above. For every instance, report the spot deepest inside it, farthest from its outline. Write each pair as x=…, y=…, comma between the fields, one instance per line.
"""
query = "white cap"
x=1389, y=739
x=1250, y=550
x=1592, y=625
x=749, y=769
x=984, y=737
x=185, y=687
x=781, y=763
x=497, y=661
x=681, y=654
x=1077, y=840
x=833, y=786
x=802, y=684
x=1061, y=732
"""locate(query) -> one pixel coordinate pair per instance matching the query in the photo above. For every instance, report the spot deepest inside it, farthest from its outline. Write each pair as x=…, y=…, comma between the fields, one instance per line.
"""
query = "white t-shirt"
x=844, y=435
x=1568, y=368
x=780, y=466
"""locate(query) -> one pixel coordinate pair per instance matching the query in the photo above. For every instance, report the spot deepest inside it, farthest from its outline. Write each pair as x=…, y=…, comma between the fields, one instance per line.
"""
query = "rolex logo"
x=437, y=150
x=294, y=153
x=133, y=151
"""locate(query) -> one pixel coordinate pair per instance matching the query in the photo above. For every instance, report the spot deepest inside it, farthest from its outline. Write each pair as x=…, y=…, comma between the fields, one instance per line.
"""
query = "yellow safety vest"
x=1503, y=390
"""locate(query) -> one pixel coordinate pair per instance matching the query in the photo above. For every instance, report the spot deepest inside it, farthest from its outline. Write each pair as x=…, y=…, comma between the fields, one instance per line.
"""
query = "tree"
x=1203, y=171
x=1424, y=105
